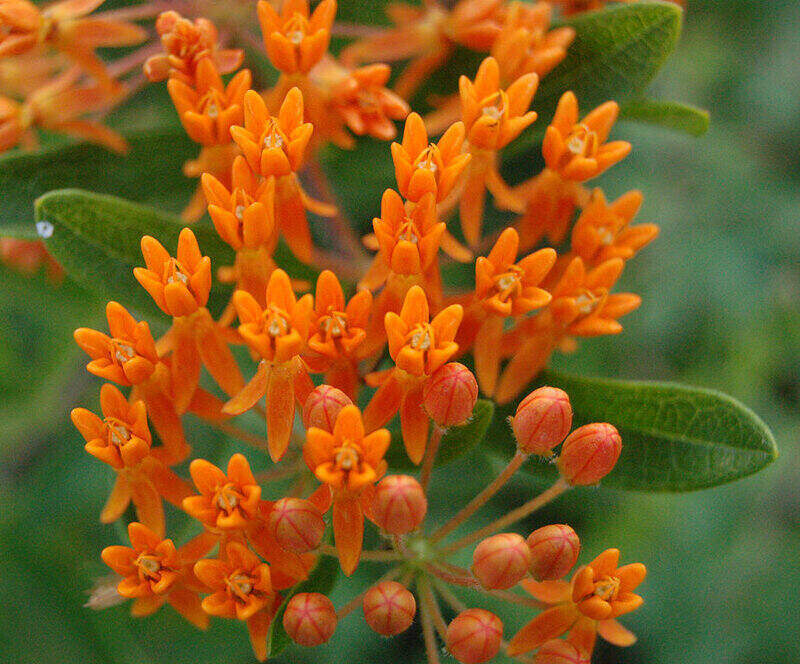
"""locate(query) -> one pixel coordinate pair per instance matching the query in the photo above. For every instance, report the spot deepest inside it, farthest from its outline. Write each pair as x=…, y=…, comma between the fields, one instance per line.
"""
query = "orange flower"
x=244, y=216
x=428, y=168
x=418, y=346
x=59, y=106
x=275, y=147
x=409, y=242
x=241, y=588
x=65, y=26
x=278, y=334
x=503, y=289
x=122, y=440
x=526, y=44
x=581, y=306
x=295, y=41
x=349, y=462
x=589, y=605
x=153, y=572
x=209, y=108
x=476, y=24
x=366, y=105
x=129, y=357
x=28, y=256
x=186, y=44
x=337, y=332
x=180, y=287
x=578, y=150
x=493, y=118
x=226, y=502
x=603, y=231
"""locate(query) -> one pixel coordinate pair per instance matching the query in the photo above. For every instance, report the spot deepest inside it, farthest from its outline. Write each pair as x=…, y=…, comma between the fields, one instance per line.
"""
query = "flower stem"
x=449, y=596
x=478, y=501
x=241, y=434
x=521, y=512
x=430, y=456
x=454, y=579
x=428, y=600
x=431, y=649
x=372, y=556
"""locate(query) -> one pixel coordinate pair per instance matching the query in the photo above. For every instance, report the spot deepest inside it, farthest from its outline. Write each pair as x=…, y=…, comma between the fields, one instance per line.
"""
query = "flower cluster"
x=372, y=340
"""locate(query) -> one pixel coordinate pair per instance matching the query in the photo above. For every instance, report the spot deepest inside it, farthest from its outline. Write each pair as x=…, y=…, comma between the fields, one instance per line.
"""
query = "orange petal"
x=117, y=501
x=547, y=625
x=414, y=423
x=280, y=412
x=613, y=632
x=188, y=605
x=251, y=392
x=348, y=532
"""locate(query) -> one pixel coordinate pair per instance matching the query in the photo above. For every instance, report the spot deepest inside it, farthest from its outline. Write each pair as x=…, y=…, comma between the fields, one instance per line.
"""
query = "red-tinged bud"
x=501, y=561
x=559, y=651
x=399, y=504
x=450, y=395
x=389, y=608
x=474, y=636
x=322, y=406
x=296, y=525
x=589, y=453
x=309, y=619
x=554, y=551
x=542, y=421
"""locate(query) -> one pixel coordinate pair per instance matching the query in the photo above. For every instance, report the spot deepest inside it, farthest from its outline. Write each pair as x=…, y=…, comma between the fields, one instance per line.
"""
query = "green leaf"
x=150, y=173
x=615, y=55
x=321, y=580
x=669, y=114
x=455, y=443
x=96, y=238
x=674, y=437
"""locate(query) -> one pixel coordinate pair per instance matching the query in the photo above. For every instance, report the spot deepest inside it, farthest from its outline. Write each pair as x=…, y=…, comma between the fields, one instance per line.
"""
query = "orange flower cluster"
x=369, y=340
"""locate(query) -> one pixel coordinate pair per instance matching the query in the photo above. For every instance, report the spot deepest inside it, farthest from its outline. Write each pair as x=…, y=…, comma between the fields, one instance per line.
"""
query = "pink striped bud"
x=450, y=395
x=389, y=608
x=542, y=421
x=322, y=406
x=554, y=551
x=296, y=525
x=309, y=619
x=474, y=636
x=501, y=561
x=559, y=651
x=589, y=453
x=399, y=504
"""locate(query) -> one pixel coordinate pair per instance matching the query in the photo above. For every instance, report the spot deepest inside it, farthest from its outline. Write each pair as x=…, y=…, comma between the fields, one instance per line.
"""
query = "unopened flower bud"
x=296, y=525
x=589, y=453
x=554, y=551
x=542, y=421
x=474, y=636
x=399, y=504
x=389, y=608
x=322, y=406
x=559, y=651
x=450, y=395
x=309, y=619
x=501, y=561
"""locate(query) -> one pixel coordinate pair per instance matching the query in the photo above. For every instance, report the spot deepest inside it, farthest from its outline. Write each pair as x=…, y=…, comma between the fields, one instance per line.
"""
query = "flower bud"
x=542, y=421
x=399, y=504
x=559, y=651
x=389, y=608
x=589, y=453
x=309, y=619
x=554, y=551
x=501, y=561
x=474, y=636
x=322, y=406
x=450, y=395
x=296, y=525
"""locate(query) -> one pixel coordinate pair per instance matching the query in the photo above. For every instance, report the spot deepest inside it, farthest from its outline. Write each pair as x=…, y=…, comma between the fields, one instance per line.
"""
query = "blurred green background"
x=721, y=288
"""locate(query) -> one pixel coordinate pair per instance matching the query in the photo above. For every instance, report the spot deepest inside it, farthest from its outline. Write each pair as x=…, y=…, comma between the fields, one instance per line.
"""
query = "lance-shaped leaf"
x=668, y=114
x=674, y=437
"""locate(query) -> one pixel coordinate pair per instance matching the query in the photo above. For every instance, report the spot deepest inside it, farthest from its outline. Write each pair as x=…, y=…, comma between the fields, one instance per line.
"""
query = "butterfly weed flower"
x=155, y=572
x=349, y=461
x=122, y=440
x=242, y=589
x=419, y=345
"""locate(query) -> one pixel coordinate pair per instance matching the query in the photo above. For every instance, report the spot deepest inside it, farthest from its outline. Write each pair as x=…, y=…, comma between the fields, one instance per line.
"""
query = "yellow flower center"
x=277, y=321
x=118, y=433
x=586, y=302
x=149, y=565
x=427, y=159
x=509, y=284
x=346, y=457
x=334, y=324
x=421, y=337
x=175, y=272
x=296, y=28
x=123, y=351
x=607, y=588
x=408, y=232
x=227, y=498
x=605, y=235
x=273, y=137
x=240, y=584
x=582, y=141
